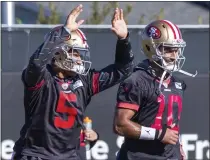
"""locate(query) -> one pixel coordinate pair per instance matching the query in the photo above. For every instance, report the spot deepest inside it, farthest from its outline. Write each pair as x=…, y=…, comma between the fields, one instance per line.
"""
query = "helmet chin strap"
x=174, y=68
x=187, y=73
x=171, y=68
x=161, y=80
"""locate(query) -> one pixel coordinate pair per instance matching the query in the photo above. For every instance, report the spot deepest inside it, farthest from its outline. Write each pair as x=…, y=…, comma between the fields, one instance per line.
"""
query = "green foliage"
x=18, y=20
x=98, y=15
x=156, y=16
x=200, y=20
x=127, y=11
x=54, y=17
x=142, y=19
x=160, y=15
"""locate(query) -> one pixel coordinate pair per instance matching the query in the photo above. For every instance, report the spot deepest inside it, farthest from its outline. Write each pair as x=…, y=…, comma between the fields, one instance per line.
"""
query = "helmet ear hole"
x=163, y=26
x=148, y=48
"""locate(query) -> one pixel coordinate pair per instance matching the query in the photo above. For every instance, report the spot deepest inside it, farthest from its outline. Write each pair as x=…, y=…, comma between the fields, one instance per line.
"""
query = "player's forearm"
x=128, y=129
x=44, y=53
x=115, y=73
x=42, y=56
x=124, y=53
x=133, y=130
x=32, y=74
x=110, y=76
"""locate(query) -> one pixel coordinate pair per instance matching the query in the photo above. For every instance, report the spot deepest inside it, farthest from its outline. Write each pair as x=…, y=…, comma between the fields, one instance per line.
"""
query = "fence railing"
x=32, y=26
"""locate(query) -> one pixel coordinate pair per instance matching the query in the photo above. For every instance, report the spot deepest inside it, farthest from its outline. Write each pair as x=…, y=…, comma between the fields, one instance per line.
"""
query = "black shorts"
x=125, y=154
x=24, y=157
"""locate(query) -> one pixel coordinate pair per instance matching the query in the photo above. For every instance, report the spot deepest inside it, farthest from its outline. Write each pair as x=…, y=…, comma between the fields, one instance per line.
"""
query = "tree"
x=142, y=19
x=156, y=16
x=200, y=20
x=160, y=15
x=54, y=18
x=99, y=15
x=18, y=20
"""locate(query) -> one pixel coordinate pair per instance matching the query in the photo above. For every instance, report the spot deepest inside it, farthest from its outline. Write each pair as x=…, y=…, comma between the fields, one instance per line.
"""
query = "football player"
x=149, y=102
x=58, y=86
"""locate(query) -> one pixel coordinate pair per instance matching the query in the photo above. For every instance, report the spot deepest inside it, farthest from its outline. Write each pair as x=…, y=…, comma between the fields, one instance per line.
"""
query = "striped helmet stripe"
x=174, y=28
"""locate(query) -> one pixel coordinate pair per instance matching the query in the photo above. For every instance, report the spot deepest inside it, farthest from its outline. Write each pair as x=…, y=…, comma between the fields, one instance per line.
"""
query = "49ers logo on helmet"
x=153, y=32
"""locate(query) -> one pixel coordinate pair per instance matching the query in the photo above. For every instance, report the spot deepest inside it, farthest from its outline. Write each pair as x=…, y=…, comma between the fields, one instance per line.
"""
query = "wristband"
x=162, y=133
x=67, y=30
x=147, y=133
x=157, y=134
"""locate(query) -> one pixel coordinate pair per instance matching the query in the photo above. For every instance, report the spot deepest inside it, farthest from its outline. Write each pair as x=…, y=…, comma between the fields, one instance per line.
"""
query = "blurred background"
x=99, y=12
x=24, y=25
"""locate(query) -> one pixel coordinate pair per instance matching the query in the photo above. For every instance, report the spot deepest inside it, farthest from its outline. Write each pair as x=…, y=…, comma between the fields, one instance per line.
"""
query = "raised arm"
x=35, y=72
x=123, y=64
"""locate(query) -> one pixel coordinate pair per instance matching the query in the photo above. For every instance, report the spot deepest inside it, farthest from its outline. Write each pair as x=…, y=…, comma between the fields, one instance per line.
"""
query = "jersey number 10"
x=171, y=100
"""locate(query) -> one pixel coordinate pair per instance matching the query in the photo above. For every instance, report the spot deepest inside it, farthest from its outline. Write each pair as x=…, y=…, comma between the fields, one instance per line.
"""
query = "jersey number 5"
x=64, y=106
x=171, y=100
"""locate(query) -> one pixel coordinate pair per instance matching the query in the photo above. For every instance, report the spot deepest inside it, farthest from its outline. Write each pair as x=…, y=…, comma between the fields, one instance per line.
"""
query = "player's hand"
x=170, y=137
x=71, y=23
x=90, y=135
x=119, y=26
